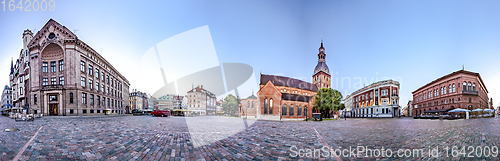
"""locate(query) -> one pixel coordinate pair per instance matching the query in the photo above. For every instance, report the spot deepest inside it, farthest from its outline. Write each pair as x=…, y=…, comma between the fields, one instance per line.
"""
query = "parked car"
x=161, y=113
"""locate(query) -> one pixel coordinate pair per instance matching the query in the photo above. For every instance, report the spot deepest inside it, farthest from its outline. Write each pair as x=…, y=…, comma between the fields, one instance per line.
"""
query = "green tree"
x=342, y=106
x=328, y=99
x=231, y=104
x=491, y=101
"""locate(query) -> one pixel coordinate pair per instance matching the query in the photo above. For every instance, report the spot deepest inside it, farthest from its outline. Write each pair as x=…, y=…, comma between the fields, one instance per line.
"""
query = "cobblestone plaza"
x=227, y=138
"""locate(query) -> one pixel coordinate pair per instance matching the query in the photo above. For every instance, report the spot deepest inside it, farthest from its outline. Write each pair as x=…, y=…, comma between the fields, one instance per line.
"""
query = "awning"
x=436, y=111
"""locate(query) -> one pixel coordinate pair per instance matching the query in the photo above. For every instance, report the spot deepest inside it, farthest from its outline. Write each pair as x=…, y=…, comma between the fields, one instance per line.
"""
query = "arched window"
x=252, y=103
x=470, y=100
x=441, y=91
x=449, y=88
x=265, y=106
x=283, y=110
x=305, y=111
x=465, y=86
x=291, y=110
x=474, y=87
x=444, y=91
x=271, y=106
x=470, y=86
x=453, y=87
x=299, y=111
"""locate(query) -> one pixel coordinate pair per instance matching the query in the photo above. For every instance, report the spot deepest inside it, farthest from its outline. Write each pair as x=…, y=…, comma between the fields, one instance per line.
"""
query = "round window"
x=52, y=35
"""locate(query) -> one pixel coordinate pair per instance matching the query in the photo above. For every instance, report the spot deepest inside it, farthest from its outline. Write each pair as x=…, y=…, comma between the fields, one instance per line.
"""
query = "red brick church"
x=285, y=98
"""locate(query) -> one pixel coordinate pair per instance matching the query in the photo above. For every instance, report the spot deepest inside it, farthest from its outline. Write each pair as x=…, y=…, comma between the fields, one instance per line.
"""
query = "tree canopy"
x=328, y=99
x=230, y=104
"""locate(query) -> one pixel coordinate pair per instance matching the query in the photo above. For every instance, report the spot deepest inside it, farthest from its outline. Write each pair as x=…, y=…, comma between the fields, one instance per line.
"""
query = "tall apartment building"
x=20, y=74
x=138, y=100
x=201, y=101
x=66, y=76
x=6, y=99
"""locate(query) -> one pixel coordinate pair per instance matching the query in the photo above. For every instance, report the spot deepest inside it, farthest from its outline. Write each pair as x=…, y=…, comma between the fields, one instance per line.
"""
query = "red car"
x=161, y=113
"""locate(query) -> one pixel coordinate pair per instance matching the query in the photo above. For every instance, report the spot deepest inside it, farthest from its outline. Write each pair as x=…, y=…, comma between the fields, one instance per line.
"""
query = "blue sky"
x=412, y=41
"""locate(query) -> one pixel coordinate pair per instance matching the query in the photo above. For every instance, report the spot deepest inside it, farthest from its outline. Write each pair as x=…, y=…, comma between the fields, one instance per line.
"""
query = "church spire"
x=321, y=55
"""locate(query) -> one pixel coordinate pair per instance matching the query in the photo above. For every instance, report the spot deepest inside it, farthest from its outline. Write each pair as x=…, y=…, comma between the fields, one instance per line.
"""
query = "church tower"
x=321, y=76
x=27, y=36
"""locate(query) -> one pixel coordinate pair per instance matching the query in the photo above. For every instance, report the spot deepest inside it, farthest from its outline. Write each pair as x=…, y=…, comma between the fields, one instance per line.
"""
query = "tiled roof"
x=287, y=82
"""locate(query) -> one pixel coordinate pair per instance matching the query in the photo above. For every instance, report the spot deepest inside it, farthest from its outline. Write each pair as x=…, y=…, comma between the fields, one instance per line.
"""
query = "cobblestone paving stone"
x=224, y=138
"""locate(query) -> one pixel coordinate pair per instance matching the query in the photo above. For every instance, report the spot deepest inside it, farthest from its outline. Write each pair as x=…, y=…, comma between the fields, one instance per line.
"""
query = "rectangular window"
x=91, y=99
x=53, y=81
x=45, y=81
x=44, y=67
x=61, y=80
x=102, y=76
x=72, y=111
x=52, y=97
x=91, y=111
x=84, y=98
x=103, y=101
x=97, y=73
x=107, y=90
x=70, y=97
x=84, y=111
x=91, y=84
x=107, y=79
x=98, y=100
x=102, y=89
x=97, y=86
x=83, y=82
x=35, y=99
x=21, y=90
x=61, y=65
x=107, y=105
x=52, y=66
x=90, y=70
x=82, y=66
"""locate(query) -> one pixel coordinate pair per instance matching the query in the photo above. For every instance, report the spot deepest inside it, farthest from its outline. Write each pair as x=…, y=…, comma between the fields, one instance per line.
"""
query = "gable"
x=61, y=33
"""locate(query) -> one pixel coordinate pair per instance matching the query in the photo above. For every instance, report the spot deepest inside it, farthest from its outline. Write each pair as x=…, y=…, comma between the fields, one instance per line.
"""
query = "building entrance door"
x=53, y=109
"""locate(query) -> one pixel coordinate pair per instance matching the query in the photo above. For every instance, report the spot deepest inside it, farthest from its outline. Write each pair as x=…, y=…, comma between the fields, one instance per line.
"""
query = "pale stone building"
x=201, y=101
x=6, y=99
x=68, y=77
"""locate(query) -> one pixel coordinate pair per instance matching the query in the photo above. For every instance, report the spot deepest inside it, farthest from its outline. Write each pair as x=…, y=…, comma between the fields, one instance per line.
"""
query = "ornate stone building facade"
x=460, y=89
x=20, y=75
x=380, y=99
x=138, y=100
x=68, y=77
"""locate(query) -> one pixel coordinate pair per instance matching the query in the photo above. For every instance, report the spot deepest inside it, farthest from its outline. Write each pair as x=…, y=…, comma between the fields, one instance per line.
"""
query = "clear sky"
x=414, y=42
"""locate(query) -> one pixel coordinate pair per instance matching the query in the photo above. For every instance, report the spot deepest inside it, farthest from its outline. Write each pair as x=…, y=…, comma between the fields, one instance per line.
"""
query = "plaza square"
x=124, y=137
